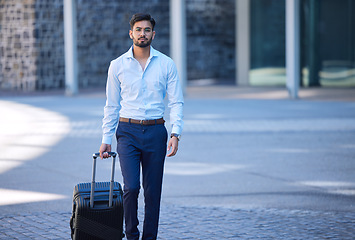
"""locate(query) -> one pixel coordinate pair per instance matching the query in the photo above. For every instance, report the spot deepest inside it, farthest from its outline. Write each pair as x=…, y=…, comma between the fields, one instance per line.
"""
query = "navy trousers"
x=141, y=147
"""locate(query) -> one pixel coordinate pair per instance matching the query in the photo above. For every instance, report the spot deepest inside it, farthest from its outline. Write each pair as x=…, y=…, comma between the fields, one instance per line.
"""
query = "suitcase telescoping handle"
x=92, y=193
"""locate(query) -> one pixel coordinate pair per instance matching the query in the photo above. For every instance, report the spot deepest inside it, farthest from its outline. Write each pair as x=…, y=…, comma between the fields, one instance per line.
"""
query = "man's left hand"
x=173, y=145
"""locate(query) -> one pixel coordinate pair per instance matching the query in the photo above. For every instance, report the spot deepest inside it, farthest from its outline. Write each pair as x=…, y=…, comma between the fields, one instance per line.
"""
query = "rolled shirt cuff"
x=176, y=129
x=107, y=140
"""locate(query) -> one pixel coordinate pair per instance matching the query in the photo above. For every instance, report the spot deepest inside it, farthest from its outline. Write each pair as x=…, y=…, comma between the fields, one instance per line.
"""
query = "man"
x=136, y=87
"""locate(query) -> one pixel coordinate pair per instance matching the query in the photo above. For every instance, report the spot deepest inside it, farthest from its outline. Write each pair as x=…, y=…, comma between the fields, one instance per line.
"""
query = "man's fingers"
x=173, y=152
x=173, y=145
x=104, y=149
x=104, y=155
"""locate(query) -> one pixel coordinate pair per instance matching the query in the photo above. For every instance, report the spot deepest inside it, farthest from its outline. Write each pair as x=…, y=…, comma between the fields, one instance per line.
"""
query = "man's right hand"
x=104, y=149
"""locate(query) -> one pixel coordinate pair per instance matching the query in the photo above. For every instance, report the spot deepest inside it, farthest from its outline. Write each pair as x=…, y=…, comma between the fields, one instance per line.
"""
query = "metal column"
x=70, y=46
x=242, y=59
x=178, y=38
x=293, y=47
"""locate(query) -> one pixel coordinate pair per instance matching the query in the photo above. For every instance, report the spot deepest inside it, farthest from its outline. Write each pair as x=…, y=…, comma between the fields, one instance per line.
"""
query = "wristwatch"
x=178, y=136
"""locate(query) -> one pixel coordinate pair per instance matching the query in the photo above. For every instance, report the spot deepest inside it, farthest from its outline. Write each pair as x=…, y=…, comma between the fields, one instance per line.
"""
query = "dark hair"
x=141, y=17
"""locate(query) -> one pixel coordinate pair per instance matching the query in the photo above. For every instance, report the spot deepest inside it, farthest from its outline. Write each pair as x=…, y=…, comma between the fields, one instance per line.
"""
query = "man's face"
x=142, y=34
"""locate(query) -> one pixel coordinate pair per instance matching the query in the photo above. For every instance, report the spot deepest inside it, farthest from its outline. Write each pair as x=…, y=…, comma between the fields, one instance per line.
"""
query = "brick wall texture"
x=32, y=39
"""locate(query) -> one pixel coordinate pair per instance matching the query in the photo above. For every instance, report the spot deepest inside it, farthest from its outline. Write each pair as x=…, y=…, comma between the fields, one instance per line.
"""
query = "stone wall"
x=210, y=39
x=32, y=39
x=32, y=46
x=49, y=35
x=17, y=60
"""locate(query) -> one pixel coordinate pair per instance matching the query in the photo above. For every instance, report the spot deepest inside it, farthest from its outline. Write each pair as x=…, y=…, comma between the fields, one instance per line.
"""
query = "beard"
x=142, y=44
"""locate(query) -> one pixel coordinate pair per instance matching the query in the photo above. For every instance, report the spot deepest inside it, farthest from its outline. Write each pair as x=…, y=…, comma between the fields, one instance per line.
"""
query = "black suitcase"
x=97, y=208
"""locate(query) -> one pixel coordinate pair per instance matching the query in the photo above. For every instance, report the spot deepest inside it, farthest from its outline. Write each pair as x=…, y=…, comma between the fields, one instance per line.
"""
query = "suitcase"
x=97, y=208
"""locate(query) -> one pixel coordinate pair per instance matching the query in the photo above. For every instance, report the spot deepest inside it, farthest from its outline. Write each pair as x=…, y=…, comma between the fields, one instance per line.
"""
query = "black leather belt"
x=143, y=122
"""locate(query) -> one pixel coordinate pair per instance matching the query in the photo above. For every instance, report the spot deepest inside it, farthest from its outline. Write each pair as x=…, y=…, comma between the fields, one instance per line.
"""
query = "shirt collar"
x=153, y=52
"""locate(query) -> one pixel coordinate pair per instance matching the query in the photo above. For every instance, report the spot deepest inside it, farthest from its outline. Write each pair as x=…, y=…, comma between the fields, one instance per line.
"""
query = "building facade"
x=32, y=41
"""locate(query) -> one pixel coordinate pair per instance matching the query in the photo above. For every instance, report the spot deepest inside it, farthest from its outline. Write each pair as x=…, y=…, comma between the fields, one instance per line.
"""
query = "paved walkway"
x=285, y=168
x=202, y=223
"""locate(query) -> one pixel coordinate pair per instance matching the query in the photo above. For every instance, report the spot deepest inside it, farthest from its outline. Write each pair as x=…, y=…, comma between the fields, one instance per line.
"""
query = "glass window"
x=267, y=46
x=327, y=43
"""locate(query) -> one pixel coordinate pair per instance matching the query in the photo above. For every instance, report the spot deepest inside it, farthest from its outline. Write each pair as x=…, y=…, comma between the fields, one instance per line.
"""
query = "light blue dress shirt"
x=139, y=94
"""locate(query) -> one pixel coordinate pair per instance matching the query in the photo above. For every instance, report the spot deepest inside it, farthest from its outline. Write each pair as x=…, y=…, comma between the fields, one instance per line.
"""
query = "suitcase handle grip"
x=111, y=154
x=92, y=193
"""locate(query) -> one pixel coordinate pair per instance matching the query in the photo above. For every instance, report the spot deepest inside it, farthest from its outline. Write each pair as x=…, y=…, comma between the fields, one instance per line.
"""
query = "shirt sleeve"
x=112, y=106
x=175, y=99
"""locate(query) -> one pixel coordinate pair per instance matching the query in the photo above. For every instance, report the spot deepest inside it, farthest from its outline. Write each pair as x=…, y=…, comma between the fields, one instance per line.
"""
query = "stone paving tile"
x=179, y=222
